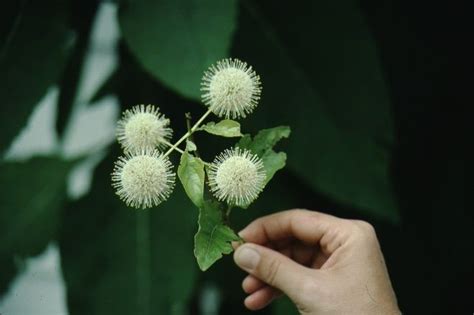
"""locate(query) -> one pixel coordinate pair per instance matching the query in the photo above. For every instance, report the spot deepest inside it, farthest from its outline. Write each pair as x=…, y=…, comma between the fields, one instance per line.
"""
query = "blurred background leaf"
x=33, y=52
x=82, y=22
x=369, y=89
x=31, y=199
x=177, y=40
x=349, y=163
x=121, y=261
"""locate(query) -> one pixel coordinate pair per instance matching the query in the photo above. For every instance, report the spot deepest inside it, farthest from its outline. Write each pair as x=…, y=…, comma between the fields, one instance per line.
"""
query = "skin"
x=324, y=264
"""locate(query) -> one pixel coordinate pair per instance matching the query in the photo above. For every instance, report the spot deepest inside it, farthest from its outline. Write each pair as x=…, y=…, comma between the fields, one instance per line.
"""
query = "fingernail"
x=246, y=257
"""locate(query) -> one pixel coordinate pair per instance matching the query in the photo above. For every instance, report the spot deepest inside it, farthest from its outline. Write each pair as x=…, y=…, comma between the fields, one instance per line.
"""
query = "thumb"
x=271, y=267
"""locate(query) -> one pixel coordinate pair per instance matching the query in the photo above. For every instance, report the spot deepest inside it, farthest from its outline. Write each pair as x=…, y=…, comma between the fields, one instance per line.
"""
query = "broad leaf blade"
x=213, y=238
x=29, y=206
x=177, y=40
x=191, y=175
x=224, y=128
x=262, y=145
x=267, y=139
x=31, y=60
x=273, y=162
x=346, y=161
x=30, y=201
x=131, y=262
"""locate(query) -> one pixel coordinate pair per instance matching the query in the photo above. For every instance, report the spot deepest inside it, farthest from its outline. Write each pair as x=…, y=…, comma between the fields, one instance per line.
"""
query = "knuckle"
x=308, y=215
x=365, y=228
x=271, y=271
x=300, y=212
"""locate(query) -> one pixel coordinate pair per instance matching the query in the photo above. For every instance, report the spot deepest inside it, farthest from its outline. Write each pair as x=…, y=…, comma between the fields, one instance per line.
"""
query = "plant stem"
x=188, y=125
x=143, y=262
x=172, y=146
x=190, y=132
x=188, y=121
x=227, y=214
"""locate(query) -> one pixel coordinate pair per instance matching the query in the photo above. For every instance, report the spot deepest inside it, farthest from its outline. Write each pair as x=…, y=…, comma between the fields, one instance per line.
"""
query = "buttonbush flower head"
x=237, y=176
x=231, y=88
x=144, y=179
x=143, y=127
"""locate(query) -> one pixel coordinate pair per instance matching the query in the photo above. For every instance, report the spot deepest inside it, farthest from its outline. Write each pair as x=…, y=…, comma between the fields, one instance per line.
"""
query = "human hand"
x=324, y=264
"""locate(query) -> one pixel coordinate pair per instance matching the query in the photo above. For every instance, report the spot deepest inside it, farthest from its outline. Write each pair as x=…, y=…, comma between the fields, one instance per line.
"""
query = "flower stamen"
x=237, y=176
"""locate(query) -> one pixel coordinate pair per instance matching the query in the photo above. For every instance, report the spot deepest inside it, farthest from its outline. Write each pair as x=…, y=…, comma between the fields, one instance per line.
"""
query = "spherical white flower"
x=231, y=89
x=144, y=179
x=237, y=176
x=143, y=127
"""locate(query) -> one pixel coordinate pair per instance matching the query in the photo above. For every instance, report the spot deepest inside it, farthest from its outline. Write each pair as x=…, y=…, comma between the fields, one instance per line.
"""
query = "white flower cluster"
x=144, y=178
x=237, y=177
x=143, y=127
x=231, y=88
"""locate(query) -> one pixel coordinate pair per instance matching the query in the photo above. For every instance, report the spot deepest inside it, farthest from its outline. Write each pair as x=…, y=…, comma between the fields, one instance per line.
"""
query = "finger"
x=272, y=267
x=307, y=226
x=252, y=284
x=261, y=298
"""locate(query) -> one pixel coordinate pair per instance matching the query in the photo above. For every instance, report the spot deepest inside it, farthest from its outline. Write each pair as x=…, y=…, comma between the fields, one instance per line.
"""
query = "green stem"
x=190, y=132
x=191, y=136
x=227, y=214
x=172, y=146
x=143, y=239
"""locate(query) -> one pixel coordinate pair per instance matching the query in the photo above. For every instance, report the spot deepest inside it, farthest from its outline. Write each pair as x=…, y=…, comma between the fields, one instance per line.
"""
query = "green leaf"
x=273, y=162
x=262, y=145
x=213, y=238
x=268, y=138
x=225, y=128
x=140, y=259
x=30, y=207
x=177, y=40
x=191, y=175
x=339, y=108
x=190, y=146
x=70, y=82
x=30, y=201
x=30, y=63
x=109, y=87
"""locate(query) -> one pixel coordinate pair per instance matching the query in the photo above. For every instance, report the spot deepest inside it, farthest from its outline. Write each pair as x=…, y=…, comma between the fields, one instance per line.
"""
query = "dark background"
x=423, y=49
x=424, y=64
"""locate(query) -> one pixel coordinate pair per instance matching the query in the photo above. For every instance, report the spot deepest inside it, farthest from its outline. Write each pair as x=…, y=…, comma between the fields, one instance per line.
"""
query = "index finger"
x=307, y=226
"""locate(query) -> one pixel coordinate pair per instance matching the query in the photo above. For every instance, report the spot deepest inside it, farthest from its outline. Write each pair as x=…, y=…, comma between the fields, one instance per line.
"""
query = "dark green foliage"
x=81, y=21
x=364, y=86
x=118, y=260
x=349, y=162
x=32, y=55
x=177, y=40
x=262, y=145
x=31, y=197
